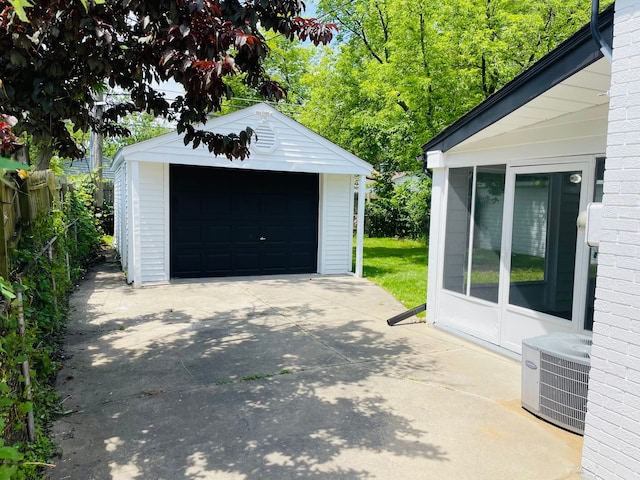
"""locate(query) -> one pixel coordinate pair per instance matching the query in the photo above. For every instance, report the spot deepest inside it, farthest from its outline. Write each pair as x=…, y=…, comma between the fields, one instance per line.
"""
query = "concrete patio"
x=285, y=377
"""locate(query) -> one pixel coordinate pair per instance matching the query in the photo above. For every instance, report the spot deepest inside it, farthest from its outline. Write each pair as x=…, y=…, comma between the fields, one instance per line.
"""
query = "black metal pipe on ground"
x=404, y=315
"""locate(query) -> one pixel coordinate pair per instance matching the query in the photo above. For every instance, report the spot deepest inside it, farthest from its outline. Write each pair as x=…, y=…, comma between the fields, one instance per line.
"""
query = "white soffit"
x=586, y=89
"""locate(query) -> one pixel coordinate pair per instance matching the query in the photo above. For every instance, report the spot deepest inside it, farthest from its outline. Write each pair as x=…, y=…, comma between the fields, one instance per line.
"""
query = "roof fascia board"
x=571, y=56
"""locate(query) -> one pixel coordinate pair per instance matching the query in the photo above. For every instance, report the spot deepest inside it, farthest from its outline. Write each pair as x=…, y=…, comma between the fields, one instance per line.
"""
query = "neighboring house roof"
x=403, y=177
x=81, y=167
x=282, y=144
x=398, y=178
x=532, y=93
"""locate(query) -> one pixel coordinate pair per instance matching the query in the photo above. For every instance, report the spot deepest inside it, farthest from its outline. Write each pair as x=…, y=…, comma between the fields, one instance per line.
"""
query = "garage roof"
x=569, y=79
x=282, y=145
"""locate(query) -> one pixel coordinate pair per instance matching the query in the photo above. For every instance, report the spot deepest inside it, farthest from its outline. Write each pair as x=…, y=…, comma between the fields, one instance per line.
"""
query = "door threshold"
x=483, y=343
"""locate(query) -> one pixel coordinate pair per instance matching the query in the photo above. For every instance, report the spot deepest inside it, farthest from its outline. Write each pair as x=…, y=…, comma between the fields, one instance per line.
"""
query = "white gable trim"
x=297, y=148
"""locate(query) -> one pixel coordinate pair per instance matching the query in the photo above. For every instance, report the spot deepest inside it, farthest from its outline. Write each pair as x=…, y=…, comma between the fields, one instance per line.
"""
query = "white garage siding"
x=336, y=224
x=283, y=145
x=289, y=146
x=153, y=221
x=150, y=198
x=120, y=195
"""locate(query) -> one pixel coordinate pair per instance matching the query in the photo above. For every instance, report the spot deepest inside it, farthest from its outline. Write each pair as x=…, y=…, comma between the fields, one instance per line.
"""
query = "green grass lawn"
x=524, y=268
x=398, y=266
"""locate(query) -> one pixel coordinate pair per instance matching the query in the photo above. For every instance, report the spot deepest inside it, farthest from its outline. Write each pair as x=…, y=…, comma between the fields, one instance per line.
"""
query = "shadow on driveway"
x=277, y=378
x=229, y=380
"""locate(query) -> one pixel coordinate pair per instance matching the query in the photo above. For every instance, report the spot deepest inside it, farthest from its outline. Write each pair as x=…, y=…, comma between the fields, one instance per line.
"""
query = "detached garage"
x=288, y=209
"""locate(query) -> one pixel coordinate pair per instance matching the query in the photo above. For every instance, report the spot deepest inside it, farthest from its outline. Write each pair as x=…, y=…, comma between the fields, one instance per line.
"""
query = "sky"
x=310, y=10
x=173, y=89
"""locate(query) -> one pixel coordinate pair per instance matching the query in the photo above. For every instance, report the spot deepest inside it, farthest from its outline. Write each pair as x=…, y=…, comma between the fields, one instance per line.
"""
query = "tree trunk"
x=96, y=155
x=22, y=154
x=43, y=159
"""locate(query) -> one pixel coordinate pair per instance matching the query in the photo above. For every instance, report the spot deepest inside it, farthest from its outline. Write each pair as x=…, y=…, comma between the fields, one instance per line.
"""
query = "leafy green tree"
x=56, y=56
x=287, y=63
x=142, y=126
x=402, y=70
x=399, y=210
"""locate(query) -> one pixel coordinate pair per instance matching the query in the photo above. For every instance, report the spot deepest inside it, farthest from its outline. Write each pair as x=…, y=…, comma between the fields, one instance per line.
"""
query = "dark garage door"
x=227, y=222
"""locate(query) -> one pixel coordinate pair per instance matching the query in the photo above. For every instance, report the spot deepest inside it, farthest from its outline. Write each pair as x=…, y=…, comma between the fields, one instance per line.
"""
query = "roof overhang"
x=573, y=77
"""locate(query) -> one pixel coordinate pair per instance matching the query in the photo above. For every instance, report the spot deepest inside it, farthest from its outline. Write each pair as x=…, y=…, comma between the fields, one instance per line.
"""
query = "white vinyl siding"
x=143, y=233
x=120, y=208
x=152, y=218
x=336, y=239
x=292, y=147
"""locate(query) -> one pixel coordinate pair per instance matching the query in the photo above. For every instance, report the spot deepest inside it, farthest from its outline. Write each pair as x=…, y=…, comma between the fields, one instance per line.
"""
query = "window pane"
x=543, y=244
x=487, y=232
x=457, y=229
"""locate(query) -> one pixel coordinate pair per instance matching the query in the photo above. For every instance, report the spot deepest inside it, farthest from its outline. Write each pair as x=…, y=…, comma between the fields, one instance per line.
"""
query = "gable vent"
x=266, y=141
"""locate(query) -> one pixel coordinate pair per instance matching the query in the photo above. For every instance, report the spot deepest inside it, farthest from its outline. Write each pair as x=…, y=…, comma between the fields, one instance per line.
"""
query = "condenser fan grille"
x=563, y=390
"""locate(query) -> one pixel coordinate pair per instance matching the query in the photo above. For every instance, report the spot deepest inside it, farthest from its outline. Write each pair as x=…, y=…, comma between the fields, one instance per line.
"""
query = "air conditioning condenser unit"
x=555, y=378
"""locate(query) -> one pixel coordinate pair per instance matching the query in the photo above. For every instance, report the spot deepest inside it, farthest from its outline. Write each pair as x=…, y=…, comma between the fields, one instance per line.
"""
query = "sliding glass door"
x=514, y=264
x=546, y=260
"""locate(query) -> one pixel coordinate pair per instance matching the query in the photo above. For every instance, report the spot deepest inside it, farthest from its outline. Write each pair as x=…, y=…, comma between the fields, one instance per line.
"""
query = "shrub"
x=401, y=211
x=45, y=286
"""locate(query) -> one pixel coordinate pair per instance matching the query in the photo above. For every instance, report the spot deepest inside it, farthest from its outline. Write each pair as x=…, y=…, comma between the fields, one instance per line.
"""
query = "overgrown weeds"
x=44, y=278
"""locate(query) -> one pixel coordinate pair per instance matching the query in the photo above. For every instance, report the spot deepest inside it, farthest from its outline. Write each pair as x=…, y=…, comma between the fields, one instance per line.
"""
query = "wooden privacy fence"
x=22, y=202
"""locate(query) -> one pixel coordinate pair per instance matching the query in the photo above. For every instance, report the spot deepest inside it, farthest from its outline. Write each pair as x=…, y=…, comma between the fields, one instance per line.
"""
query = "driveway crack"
x=323, y=343
x=277, y=311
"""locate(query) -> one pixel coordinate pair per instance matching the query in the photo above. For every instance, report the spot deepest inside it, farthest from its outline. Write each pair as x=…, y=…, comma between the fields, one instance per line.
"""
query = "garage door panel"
x=304, y=208
x=214, y=234
x=220, y=216
x=218, y=206
x=276, y=233
x=245, y=206
x=218, y=264
x=274, y=206
x=246, y=262
x=188, y=208
x=190, y=264
x=301, y=262
x=303, y=234
x=275, y=261
x=189, y=234
x=246, y=233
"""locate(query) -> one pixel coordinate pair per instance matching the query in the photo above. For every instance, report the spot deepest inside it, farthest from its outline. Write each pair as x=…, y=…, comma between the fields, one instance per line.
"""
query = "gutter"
x=605, y=48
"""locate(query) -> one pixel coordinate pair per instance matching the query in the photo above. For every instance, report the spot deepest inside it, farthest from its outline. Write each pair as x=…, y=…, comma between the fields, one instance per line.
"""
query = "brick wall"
x=612, y=436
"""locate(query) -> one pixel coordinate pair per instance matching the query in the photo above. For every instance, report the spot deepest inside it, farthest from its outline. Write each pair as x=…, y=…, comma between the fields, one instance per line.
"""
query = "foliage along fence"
x=22, y=203
x=48, y=233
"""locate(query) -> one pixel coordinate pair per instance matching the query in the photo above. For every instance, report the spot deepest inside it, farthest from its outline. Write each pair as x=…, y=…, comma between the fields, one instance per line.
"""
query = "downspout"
x=595, y=31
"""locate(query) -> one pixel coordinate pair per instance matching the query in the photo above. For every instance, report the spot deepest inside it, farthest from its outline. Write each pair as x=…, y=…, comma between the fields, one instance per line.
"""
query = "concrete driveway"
x=285, y=377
